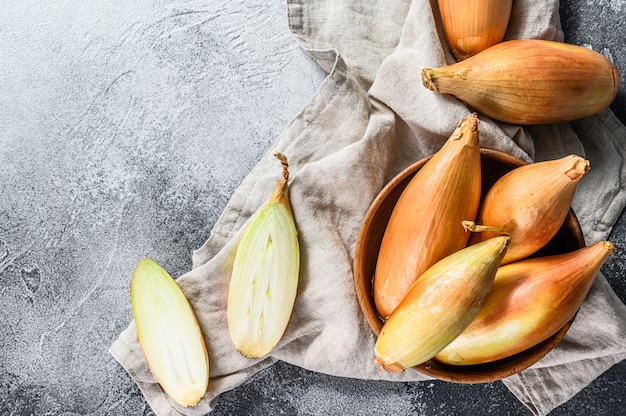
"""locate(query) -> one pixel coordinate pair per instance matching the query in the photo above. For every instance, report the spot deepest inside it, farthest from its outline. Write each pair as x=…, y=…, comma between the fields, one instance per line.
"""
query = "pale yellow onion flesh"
x=529, y=302
x=264, y=279
x=425, y=225
x=471, y=26
x=439, y=306
x=530, y=81
x=169, y=334
x=530, y=203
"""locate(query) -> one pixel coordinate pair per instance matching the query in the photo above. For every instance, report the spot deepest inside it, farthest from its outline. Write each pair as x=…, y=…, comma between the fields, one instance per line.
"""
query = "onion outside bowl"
x=494, y=164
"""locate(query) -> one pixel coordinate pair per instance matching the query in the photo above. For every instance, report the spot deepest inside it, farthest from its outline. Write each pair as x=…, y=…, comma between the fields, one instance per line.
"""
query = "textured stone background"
x=124, y=129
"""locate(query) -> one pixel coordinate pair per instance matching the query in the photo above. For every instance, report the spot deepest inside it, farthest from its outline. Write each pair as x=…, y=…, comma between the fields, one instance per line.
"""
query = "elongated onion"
x=530, y=81
x=425, y=225
x=530, y=203
x=265, y=276
x=169, y=334
x=530, y=301
x=439, y=305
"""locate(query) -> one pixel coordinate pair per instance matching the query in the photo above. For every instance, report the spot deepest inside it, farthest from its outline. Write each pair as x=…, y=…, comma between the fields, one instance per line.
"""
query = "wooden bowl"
x=494, y=164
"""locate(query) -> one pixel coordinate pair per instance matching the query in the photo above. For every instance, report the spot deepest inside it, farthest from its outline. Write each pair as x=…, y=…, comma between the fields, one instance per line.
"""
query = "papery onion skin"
x=529, y=301
x=425, y=225
x=471, y=26
x=530, y=203
x=530, y=82
x=439, y=305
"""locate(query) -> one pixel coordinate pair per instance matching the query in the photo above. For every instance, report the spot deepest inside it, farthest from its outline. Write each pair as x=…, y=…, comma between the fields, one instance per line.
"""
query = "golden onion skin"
x=529, y=301
x=425, y=225
x=471, y=26
x=439, y=305
x=530, y=203
x=530, y=82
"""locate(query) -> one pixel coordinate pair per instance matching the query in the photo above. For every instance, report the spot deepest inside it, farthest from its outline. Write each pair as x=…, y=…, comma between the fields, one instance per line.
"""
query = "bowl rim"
x=472, y=374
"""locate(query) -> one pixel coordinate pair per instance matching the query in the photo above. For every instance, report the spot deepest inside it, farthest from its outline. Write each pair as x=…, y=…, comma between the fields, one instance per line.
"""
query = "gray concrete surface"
x=124, y=128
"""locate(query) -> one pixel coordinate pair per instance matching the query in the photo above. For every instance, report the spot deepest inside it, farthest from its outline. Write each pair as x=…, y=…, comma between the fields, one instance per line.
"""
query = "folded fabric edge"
x=601, y=225
x=295, y=22
x=518, y=385
x=521, y=393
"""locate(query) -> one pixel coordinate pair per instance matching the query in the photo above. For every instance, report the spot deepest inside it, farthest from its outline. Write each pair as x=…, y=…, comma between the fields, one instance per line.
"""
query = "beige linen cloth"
x=370, y=119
